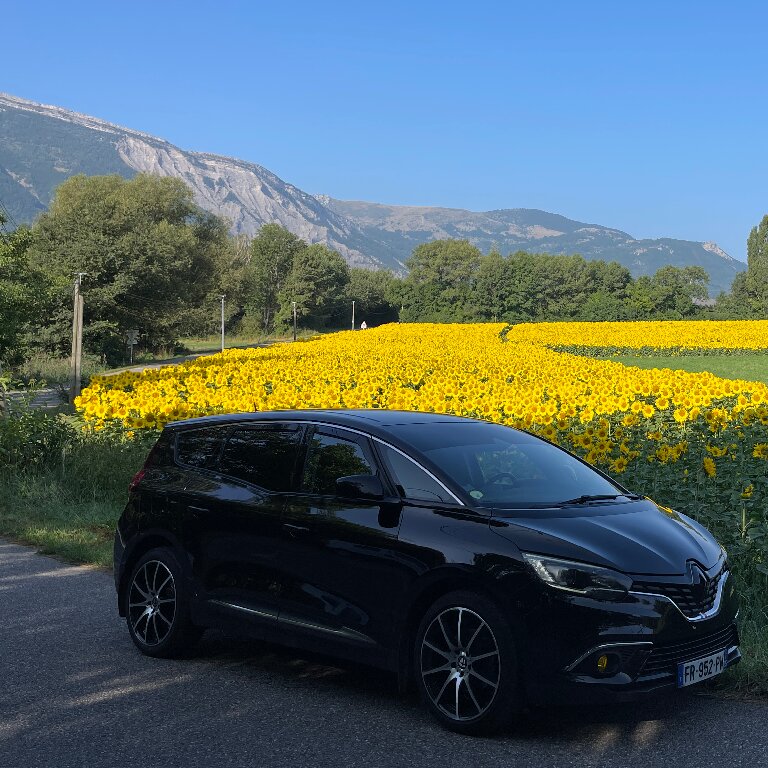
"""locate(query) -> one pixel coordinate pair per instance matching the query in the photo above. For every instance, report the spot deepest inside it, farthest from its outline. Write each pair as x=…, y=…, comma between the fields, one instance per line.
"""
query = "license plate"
x=690, y=672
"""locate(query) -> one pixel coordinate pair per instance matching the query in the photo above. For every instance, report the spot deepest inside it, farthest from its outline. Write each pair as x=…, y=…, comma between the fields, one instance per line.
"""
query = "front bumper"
x=645, y=636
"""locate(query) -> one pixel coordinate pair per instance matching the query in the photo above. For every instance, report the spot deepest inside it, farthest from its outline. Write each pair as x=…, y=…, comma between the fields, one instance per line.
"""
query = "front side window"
x=263, y=456
x=411, y=480
x=329, y=458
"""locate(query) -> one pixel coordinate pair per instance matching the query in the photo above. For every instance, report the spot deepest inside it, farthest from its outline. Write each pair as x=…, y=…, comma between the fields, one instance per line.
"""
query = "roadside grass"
x=41, y=370
x=750, y=676
x=752, y=367
x=212, y=344
x=68, y=508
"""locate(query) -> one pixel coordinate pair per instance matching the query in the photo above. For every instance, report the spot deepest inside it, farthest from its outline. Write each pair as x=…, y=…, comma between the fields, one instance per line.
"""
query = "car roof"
x=373, y=421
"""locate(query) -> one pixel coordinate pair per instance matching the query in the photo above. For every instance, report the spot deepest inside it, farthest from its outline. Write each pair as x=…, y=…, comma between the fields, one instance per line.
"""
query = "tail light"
x=139, y=476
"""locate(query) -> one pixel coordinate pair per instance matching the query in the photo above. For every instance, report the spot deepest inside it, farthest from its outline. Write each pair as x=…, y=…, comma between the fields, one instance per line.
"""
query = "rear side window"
x=199, y=447
x=411, y=480
x=263, y=456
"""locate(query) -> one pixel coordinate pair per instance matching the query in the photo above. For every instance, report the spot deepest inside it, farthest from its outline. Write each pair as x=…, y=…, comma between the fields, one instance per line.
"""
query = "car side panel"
x=230, y=529
x=343, y=568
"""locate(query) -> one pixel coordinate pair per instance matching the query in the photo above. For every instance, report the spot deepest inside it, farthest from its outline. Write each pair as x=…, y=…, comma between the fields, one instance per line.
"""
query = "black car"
x=488, y=566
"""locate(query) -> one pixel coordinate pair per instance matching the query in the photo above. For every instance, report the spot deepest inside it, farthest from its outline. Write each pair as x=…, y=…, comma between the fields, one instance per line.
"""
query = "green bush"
x=33, y=439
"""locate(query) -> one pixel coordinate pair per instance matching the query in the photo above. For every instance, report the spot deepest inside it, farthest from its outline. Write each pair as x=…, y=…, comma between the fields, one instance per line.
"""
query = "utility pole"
x=353, y=314
x=77, y=340
x=222, y=322
x=294, y=320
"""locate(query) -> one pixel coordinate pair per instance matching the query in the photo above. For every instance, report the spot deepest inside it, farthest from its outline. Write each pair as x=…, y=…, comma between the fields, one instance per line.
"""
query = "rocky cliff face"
x=247, y=195
x=41, y=145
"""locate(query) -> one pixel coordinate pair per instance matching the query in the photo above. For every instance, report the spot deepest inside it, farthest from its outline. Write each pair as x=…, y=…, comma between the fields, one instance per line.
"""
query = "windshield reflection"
x=501, y=467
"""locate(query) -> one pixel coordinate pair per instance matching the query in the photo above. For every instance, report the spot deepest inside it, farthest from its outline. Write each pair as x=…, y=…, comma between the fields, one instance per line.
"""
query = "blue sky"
x=649, y=117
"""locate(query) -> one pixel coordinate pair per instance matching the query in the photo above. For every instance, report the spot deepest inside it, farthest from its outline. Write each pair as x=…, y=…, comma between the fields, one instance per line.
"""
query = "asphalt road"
x=75, y=692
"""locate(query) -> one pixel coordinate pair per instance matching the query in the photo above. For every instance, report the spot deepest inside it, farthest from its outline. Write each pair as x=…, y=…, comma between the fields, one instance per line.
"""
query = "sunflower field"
x=652, y=337
x=692, y=441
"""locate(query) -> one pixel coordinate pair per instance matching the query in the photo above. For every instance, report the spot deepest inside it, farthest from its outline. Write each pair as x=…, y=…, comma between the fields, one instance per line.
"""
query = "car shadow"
x=640, y=722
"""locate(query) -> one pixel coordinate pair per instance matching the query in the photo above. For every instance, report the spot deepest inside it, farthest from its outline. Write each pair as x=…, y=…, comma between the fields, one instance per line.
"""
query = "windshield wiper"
x=587, y=497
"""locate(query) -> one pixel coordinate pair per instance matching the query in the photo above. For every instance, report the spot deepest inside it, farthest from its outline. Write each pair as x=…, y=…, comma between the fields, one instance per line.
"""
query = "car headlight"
x=579, y=578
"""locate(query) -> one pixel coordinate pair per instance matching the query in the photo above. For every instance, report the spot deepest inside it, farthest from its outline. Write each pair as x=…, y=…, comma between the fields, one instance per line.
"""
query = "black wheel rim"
x=152, y=603
x=460, y=664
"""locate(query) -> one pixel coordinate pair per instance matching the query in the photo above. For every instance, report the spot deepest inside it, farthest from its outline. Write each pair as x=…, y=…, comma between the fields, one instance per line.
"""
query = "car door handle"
x=295, y=530
x=193, y=508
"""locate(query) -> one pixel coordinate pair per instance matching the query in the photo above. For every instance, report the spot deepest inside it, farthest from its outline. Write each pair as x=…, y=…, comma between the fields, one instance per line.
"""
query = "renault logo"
x=699, y=581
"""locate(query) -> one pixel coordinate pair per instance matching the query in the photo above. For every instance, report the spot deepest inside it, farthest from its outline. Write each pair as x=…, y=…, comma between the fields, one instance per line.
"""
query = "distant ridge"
x=41, y=145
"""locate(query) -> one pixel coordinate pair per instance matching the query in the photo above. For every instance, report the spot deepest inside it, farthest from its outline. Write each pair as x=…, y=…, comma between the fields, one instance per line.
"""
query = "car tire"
x=157, y=606
x=466, y=664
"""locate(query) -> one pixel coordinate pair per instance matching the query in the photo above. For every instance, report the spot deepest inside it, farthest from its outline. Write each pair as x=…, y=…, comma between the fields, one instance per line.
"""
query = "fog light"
x=602, y=663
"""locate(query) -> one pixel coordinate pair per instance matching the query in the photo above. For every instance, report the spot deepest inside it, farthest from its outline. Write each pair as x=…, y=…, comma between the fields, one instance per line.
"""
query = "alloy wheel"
x=152, y=602
x=460, y=664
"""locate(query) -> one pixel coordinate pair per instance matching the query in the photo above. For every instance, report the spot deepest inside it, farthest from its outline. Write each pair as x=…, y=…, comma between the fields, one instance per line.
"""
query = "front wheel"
x=158, y=606
x=466, y=664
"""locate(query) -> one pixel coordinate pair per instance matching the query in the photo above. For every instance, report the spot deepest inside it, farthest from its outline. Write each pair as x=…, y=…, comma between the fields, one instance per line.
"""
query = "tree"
x=375, y=295
x=739, y=304
x=22, y=292
x=316, y=283
x=757, y=267
x=272, y=255
x=441, y=281
x=526, y=294
x=641, y=299
x=233, y=283
x=491, y=287
x=152, y=258
x=602, y=306
x=668, y=294
x=677, y=288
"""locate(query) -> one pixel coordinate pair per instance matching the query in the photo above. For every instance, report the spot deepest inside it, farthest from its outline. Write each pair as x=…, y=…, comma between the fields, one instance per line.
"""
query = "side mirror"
x=360, y=487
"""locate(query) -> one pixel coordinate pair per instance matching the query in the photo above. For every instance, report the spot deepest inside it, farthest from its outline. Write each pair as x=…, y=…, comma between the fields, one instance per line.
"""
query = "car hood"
x=636, y=537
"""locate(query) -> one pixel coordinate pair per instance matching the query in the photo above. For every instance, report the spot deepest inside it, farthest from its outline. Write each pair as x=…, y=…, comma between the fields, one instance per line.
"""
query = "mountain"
x=41, y=145
x=538, y=231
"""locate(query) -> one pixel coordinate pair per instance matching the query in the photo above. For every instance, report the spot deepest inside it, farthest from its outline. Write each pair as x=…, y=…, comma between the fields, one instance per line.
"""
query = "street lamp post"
x=222, y=322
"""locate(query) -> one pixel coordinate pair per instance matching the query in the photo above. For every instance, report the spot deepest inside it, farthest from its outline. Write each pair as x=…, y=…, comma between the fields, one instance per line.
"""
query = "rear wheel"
x=466, y=664
x=158, y=606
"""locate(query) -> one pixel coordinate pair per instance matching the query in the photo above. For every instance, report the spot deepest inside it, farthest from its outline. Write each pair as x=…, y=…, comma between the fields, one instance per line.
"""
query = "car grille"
x=663, y=659
x=682, y=595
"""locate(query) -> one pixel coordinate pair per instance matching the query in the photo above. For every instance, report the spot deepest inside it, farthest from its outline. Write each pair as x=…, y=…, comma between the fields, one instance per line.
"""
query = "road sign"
x=132, y=337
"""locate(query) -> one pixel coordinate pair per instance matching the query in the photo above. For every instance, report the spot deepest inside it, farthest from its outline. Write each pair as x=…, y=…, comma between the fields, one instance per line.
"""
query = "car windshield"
x=501, y=467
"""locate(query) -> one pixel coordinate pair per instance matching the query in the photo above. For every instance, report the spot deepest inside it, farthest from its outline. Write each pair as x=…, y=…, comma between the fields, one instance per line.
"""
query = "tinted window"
x=499, y=466
x=263, y=456
x=330, y=458
x=413, y=482
x=199, y=447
